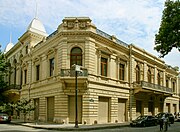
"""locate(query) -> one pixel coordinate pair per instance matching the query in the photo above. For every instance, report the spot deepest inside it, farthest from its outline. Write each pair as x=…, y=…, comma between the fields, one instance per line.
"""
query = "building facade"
x=118, y=81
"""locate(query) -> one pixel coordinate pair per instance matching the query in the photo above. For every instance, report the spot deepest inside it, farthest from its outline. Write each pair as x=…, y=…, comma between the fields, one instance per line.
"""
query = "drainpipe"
x=130, y=82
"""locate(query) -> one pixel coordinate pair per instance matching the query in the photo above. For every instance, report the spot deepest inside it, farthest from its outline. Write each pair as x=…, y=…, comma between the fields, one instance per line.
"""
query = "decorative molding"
x=76, y=23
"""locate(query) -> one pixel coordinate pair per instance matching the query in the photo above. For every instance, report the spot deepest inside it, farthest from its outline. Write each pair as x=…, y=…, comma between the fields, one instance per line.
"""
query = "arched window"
x=158, y=79
x=76, y=56
x=149, y=76
x=138, y=74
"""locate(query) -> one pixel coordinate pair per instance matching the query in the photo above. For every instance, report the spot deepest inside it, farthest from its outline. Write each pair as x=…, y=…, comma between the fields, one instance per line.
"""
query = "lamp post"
x=77, y=69
x=76, y=100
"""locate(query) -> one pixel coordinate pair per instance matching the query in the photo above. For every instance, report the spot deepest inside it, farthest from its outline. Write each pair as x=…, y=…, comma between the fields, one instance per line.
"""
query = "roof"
x=37, y=27
x=8, y=47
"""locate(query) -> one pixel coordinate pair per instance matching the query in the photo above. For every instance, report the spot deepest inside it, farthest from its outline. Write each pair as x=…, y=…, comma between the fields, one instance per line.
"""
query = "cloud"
x=132, y=21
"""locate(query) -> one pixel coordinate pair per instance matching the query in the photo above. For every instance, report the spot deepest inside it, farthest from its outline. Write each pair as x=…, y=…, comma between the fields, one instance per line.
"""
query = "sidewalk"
x=69, y=127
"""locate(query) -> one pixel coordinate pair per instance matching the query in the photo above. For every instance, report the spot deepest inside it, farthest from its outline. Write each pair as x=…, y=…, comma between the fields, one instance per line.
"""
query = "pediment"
x=123, y=57
x=105, y=50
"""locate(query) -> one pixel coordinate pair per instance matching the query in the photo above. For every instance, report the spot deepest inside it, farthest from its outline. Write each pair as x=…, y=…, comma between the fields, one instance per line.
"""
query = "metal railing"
x=153, y=86
x=52, y=34
x=110, y=37
x=13, y=86
x=71, y=73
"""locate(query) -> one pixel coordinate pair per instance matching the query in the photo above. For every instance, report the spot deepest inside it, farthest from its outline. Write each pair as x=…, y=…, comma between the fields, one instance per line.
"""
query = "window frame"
x=76, y=56
x=25, y=76
x=51, y=66
x=149, y=76
x=38, y=72
x=158, y=79
x=121, y=71
x=104, y=66
x=138, y=74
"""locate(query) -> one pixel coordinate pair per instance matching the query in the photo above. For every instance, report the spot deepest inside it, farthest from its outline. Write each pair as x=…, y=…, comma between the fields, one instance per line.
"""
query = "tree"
x=7, y=108
x=24, y=106
x=168, y=36
x=3, y=73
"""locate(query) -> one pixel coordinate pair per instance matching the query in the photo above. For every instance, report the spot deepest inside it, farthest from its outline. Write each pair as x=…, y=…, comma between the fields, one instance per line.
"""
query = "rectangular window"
x=121, y=71
x=25, y=76
x=173, y=86
x=26, y=49
x=51, y=66
x=103, y=66
x=37, y=72
x=167, y=83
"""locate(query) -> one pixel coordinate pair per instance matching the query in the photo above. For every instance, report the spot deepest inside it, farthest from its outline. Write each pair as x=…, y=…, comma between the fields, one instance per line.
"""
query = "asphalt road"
x=173, y=128
x=18, y=128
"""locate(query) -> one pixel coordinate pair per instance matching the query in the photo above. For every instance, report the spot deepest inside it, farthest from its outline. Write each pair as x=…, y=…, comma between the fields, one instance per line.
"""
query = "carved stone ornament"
x=70, y=24
x=76, y=23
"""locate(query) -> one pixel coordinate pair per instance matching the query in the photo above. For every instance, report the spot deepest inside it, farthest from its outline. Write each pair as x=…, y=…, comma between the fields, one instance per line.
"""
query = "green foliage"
x=7, y=108
x=24, y=106
x=168, y=36
x=3, y=73
x=176, y=68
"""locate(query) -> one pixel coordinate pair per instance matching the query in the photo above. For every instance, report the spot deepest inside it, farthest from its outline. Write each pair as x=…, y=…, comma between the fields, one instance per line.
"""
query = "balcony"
x=143, y=86
x=14, y=87
x=71, y=73
x=68, y=75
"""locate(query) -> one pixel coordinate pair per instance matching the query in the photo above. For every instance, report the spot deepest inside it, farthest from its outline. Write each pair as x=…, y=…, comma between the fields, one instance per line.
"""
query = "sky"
x=132, y=21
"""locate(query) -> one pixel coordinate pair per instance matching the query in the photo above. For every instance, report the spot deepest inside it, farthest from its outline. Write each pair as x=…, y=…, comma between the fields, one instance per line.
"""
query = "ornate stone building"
x=118, y=81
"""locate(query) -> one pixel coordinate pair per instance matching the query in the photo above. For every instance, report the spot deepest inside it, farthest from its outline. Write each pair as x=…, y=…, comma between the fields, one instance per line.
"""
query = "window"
x=158, y=79
x=167, y=83
x=138, y=74
x=121, y=71
x=51, y=66
x=25, y=76
x=103, y=66
x=149, y=76
x=76, y=56
x=26, y=49
x=37, y=72
x=173, y=86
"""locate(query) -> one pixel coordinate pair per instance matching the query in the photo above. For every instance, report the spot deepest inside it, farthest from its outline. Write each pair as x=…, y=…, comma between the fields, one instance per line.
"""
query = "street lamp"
x=77, y=69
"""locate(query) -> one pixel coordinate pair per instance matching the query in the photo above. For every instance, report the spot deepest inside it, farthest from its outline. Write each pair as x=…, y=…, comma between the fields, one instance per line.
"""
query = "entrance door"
x=50, y=109
x=139, y=110
x=174, y=108
x=167, y=107
x=103, y=110
x=151, y=108
x=121, y=110
x=72, y=112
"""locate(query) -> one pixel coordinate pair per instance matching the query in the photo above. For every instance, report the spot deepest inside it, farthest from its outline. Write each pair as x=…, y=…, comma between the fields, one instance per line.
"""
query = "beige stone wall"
x=93, y=46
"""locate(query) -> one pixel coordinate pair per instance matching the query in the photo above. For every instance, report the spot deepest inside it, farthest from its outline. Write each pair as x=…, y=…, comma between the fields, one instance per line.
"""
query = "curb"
x=88, y=128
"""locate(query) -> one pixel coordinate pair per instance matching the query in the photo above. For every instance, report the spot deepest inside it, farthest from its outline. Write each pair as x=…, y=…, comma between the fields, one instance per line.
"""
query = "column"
x=145, y=71
x=155, y=75
x=164, y=78
x=99, y=63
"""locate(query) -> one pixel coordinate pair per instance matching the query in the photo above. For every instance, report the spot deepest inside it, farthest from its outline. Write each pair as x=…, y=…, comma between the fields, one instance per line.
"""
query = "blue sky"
x=132, y=21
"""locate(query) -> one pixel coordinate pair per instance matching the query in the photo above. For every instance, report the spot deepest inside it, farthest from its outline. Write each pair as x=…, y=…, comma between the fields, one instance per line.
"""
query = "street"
x=173, y=128
x=18, y=128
